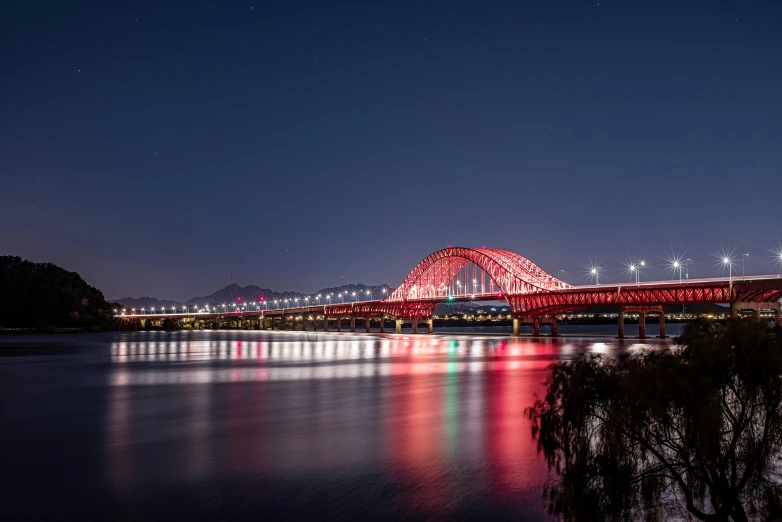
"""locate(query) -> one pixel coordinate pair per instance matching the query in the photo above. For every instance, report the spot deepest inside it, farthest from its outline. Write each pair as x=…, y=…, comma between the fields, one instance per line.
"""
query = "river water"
x=237, y=425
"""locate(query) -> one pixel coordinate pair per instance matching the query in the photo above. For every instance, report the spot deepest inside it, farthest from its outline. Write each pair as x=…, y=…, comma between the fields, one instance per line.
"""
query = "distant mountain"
x=251, y=293
x=145, y=302
x=45, y=296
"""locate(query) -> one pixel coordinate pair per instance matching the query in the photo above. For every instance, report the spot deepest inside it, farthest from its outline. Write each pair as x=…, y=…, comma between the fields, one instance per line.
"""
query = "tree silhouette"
x=692, y=431
x=44, y=295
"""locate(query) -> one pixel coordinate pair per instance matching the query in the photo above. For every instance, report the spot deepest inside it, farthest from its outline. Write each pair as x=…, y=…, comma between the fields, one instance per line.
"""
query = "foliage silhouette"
x=45, y=296
x=689, y=432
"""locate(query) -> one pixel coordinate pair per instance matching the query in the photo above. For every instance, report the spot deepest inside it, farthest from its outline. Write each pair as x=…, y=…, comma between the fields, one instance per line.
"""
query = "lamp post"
x=743, y=256
x=727, y=261
x=596, y=272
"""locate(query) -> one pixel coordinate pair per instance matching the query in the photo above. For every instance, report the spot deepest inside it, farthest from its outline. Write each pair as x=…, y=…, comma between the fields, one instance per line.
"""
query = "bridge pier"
x=536, y=327
x=642, y=324
x=621, y=333
x=777, y=316
x=430, y=323
x=554, y=327
x=367, y=323
x=415, y=327
x=352, y=324
x=399, y=326
x=515, y=332
x=662, y=325
x=382, y=324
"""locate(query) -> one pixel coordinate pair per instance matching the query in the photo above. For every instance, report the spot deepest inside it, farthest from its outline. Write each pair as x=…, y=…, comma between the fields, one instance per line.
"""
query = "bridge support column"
x=642, y=325
x=777, y=316
x=399, y=326
x=554, y=327
x=515, y=332
x=662, y=325
x=734, y=310
x=367, y=322
x=430, y=324
x=382, y=324
x=352, y=324
x=415, y=327
x=536, y=327
x=621, y=333
x=756, y=315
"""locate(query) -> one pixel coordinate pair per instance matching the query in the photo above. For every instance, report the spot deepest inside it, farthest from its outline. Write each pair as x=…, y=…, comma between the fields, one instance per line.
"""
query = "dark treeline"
x=688, y=432
x=44, y=296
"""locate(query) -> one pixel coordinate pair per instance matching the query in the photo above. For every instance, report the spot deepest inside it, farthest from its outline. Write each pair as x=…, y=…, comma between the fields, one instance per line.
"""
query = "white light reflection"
x=328, y=357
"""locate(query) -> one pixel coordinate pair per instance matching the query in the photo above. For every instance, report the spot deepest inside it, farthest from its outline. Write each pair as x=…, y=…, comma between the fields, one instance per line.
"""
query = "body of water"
x=278, y=425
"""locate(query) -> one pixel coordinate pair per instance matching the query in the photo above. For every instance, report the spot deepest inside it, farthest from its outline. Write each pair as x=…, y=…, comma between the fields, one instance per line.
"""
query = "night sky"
x=166, y=148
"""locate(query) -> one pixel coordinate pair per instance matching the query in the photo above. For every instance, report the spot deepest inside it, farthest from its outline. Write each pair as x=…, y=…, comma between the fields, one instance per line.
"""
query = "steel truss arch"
x=511, y=273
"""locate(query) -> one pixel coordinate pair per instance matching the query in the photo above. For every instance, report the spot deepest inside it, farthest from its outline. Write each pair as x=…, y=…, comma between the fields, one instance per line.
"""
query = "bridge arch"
x=509, y=272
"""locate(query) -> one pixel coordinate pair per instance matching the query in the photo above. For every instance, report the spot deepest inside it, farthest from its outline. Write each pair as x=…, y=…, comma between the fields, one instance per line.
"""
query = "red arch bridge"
x=535, y=297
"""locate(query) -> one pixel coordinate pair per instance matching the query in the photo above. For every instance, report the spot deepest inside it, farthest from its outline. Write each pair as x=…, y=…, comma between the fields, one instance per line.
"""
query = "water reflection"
x=328, y=358
x=432, y=426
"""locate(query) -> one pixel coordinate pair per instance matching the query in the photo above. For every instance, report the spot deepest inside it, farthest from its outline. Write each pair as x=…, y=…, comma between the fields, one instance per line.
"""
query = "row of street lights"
x=682, y=266
x=266, y=305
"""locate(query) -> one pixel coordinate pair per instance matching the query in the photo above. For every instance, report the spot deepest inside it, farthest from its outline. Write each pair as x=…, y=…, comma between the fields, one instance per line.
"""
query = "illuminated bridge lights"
x=469, y=274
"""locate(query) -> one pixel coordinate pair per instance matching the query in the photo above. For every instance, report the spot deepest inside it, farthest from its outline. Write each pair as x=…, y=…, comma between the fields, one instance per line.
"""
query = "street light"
x=634, y=270
x=595, y=271
x=677, y=266
x=742, y=264
x=727, y=261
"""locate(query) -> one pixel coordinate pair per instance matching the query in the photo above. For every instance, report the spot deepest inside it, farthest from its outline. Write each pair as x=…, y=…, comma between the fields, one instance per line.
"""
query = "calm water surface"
x=288, y=425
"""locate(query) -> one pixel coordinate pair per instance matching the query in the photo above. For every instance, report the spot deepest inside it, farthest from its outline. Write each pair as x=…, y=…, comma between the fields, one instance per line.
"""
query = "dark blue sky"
x=158, y=149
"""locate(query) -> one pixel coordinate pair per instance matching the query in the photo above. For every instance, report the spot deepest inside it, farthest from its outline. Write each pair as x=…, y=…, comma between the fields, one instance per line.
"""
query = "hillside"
x=45, y=296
